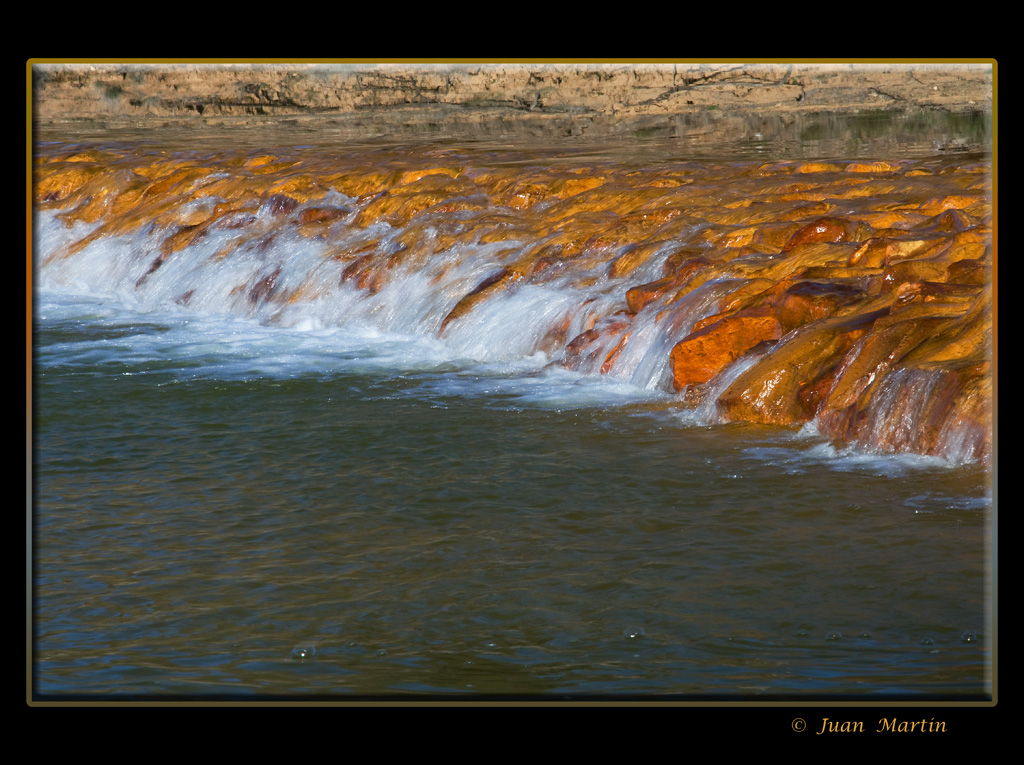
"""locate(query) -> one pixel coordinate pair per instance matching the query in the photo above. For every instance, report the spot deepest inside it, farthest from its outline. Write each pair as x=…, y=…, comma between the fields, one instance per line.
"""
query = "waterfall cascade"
x=853, y=296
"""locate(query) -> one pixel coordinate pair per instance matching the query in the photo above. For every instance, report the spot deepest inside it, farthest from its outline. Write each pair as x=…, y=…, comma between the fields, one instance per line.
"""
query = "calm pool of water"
x=206, y=527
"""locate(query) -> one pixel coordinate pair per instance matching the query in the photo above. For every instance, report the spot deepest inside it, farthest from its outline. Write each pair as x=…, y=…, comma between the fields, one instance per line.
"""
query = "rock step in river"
x=856, y=296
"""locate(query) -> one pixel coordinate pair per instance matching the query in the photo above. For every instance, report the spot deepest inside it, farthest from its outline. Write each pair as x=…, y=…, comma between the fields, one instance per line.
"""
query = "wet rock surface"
x=855, y=296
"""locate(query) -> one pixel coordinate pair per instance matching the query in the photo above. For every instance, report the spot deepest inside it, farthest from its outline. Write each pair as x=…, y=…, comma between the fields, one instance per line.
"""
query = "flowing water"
x=340, y=497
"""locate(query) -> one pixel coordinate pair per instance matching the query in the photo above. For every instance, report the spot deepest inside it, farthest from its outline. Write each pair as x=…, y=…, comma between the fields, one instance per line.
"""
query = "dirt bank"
x=552, y=100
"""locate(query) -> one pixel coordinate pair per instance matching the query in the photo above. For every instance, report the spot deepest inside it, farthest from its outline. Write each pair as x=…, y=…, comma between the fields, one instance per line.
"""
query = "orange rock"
x=322, y=214
x=775, y=235
x=898, y=219
x=822, y=230
x=804, y=256
x=359, y=182
x=279, y=204
x=944, y=411
x=54, y=183
x=856, y=189
x=819, y=167
x=400, y=204
x=414, y=175
x=684, y=280
x=639, y=296
x=680, y=257
x=496, y=282
x=871, y=167
x=794, y=214
x=264, y=287
x=707, y=351
x=633, y=257
x=971, y=244
x=260, y=161
x=806, y=301
x=878, y=251
x=104, y=196
x=949, y=221
x=525, y=195
x=867, y=284
x=932, y=292
x=937, y=265
x=640, y=224
x=301, y=188
x=750, y=292
x=769, y=392
x=613, y=356
x=966, y=434
x=849, y=396
x=594, y=346
x=175, y=183
x=570, y=187
x=868, y=280
x=937, y=205
x=368, y=272
x=967, y=338
x=93, y=155
x=181, y=239
x=358, y=265
x=276, y=166
x=974, y=272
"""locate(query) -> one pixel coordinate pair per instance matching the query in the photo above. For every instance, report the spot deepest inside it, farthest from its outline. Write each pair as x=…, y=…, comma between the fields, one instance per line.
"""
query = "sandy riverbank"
x=549, y=100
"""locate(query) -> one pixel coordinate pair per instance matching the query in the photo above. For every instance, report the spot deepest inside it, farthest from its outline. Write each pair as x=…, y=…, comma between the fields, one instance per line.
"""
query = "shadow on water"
x=826, y=136
x=708, y=135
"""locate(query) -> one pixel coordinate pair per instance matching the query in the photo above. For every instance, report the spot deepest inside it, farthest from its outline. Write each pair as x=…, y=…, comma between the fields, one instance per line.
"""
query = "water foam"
x=283, y=304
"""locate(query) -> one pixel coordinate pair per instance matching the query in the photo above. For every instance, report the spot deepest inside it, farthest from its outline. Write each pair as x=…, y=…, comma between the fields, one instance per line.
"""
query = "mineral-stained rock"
x=966, y=433
x=322, y=214
x=968, y=338
x=806, y=255
x=635, y=256
x=935, y=410
x=497, y=281
x=709, y=350
x=806, y=301
x=975, y=272
x=638, y=297
x=57, y=184
x=879, y=250
x=865, y=365
x=769, y=391
x=590, y=350
x=823, y=230
x=859, y=293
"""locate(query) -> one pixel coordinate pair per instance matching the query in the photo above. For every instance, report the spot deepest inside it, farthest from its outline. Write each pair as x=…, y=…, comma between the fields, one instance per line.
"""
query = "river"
x=240, y=496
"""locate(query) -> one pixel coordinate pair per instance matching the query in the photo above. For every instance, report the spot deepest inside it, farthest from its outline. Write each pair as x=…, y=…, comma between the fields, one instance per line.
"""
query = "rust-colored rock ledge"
x=857, y=296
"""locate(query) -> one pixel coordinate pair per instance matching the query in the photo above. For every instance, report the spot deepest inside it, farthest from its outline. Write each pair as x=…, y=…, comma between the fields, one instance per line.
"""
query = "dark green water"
x=347, y=534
